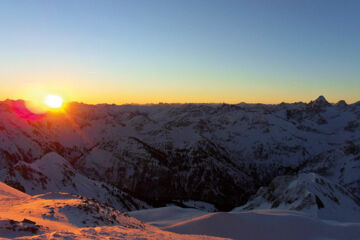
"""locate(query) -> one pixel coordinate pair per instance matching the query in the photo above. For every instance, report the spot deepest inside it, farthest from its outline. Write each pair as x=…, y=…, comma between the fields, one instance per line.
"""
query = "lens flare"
x=21, y=109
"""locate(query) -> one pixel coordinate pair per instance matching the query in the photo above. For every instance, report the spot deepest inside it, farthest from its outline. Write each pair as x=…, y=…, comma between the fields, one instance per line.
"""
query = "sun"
x=53, y=101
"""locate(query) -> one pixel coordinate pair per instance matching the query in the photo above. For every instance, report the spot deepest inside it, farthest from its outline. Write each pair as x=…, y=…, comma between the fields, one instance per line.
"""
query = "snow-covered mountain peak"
x=51, y=163
x=308, y=193
x=321, y=99
x=216, y=153
x=341, y=103
x=320, y=102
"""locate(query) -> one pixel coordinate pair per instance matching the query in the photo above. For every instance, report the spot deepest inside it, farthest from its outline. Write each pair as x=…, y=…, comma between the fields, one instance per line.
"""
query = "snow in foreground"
x=68, y=216
x=256, y=224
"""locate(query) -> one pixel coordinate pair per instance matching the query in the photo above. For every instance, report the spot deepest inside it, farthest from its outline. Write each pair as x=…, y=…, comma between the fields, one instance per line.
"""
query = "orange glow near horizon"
x=128, y=94
x=37, y=104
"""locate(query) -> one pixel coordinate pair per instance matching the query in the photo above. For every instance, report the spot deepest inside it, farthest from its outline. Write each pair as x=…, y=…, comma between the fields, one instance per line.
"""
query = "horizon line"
x=185, y=103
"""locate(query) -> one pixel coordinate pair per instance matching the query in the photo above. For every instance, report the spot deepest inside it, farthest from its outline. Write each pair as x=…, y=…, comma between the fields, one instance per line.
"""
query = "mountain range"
x=291, y=156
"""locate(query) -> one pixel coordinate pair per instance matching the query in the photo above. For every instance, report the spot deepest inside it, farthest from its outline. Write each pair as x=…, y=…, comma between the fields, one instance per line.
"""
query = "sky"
x=185, y=51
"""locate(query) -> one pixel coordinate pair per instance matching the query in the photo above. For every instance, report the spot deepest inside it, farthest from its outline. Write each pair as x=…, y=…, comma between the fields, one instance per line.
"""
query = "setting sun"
x=180, y=119
x=53, y=101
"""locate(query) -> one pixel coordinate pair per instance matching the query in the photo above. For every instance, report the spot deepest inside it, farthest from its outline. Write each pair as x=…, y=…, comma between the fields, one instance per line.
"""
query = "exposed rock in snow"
x=307, y=193
x=341, y=104
x=199, y=155
x=320, y=102
x=68, y=216
x=215, y=153
x=53, y=173
x=203, y=206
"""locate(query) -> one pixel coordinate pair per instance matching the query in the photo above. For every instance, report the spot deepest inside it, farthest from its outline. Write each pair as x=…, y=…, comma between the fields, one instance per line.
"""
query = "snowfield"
x=266, y=225
x=65, y=216
x=239, y=171
x=256, y=224
x=68, y=216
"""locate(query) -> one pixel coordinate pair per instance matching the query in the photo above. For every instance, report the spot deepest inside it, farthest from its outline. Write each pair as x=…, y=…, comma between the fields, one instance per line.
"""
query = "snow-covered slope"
x=52, y=173
x=215, y=153
x=194, y=155
x=7, y=192
x=270, y=224
x=307, y=193
x=68, y=216
x=266, y=225
x=166, y=216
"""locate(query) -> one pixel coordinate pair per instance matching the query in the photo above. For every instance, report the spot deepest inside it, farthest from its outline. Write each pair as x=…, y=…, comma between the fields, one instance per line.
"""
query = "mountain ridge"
x=217, y=153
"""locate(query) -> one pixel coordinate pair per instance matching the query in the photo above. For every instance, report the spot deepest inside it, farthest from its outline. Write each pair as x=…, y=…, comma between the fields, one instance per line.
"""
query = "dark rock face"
x=220, y=154
x=341, y=104
x=320, y=102
x=26, y=226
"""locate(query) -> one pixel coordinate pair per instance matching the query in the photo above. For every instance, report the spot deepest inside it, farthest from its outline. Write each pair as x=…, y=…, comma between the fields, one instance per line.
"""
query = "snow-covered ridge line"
x=69, y=216
x=216, y=153
x=308, y=193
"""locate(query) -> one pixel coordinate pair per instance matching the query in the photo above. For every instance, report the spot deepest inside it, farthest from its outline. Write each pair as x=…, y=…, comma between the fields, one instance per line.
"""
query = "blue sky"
x=181, y=51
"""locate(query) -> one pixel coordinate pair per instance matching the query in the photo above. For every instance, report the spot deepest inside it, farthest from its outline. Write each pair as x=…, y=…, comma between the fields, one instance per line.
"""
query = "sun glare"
x=53, y=101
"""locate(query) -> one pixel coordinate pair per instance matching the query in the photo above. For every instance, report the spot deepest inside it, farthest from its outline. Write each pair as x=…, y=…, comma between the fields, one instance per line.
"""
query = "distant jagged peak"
x=320, y=102
x=341, y=103
x=321, y=99
x=356, y=104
